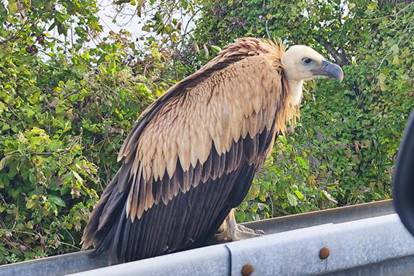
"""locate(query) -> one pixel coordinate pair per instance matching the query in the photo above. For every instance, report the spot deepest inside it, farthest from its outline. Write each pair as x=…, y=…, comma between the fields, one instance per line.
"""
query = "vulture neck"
x=295, y=87
x=292, y=94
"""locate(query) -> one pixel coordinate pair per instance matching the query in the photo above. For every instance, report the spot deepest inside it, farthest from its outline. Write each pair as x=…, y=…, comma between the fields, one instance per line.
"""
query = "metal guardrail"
x=334, y=215
x=358, y=239
x=373, y=246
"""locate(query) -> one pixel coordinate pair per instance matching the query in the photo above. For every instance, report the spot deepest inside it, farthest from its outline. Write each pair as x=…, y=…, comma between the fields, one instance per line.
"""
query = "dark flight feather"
x=163, y=200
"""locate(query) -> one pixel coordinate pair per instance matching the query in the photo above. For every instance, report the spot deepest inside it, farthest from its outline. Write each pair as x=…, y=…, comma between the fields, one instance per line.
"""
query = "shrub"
x=342, y=151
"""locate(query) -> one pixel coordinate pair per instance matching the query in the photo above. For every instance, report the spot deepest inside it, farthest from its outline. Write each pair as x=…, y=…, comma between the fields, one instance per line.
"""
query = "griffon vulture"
x=192, y=155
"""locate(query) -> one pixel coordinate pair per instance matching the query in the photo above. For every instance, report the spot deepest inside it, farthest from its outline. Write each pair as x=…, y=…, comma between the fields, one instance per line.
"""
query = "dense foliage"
x=69, y=95
x=63, y=114
x=343, y=150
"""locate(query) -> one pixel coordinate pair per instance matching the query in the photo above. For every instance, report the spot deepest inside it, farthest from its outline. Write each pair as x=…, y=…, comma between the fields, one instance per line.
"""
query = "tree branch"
x=383, y=3
x=340, y=57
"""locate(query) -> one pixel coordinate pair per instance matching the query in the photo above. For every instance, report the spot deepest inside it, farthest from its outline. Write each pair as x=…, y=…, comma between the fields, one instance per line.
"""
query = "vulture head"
x=302, y=63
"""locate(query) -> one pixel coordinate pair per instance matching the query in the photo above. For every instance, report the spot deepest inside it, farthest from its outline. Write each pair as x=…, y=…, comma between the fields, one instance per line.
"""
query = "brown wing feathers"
x=192, y=155
x=191, y=218
x=188, y=131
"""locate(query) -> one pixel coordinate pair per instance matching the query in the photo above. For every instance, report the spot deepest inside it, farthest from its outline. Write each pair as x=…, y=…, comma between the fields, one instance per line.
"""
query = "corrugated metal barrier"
x=366, y=239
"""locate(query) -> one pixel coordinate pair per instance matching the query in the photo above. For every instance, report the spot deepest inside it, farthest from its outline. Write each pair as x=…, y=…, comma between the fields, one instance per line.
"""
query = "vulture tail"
x=103, y=223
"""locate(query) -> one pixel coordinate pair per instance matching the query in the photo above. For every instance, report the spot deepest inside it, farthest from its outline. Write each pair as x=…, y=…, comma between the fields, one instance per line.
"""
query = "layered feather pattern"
x=192, y=155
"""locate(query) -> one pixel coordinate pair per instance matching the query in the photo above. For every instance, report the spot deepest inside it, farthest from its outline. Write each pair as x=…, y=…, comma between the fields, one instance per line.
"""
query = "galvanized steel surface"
x=351, y=244
x=210, y=260
x=377, y=243
x=55, y=265
x=335, y=215
x=374, y=246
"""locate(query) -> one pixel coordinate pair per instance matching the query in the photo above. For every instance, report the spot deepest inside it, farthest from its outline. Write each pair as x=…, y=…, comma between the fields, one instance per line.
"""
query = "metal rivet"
x=247, y=270
x=324, y=253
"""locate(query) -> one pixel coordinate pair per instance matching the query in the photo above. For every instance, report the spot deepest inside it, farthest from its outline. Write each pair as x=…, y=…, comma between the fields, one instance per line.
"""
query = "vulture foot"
x=231, y=231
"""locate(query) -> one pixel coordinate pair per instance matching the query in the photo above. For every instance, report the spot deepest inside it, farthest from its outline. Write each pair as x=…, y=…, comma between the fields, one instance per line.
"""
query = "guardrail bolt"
x=324, y=253
x=247, y=270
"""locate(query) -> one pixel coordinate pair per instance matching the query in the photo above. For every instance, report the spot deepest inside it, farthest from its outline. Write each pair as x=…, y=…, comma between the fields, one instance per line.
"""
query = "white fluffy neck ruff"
x=296, y=88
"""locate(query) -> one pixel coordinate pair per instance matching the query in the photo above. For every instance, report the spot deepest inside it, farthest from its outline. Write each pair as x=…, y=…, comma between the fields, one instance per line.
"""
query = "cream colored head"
x=302, y=63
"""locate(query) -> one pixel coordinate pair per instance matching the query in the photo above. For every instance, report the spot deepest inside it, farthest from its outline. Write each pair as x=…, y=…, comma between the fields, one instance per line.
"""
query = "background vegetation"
x=70, y=92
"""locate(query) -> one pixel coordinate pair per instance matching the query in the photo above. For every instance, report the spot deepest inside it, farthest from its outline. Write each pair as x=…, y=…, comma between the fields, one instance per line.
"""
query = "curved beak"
x=330, y=70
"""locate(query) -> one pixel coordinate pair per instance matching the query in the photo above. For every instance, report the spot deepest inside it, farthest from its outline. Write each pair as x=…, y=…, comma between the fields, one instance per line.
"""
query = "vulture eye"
x=307, y=60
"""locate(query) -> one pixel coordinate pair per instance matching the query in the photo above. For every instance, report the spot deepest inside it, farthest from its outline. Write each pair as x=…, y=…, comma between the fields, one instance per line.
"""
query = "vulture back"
x=192, y=155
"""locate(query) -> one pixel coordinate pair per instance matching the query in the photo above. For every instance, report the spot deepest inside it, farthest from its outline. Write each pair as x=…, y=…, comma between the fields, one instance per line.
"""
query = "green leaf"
x=292, y=200
x=78, y=177
x=12, y=6
x=372, y=6
x=3, y=162
x=329, y=197
x=2, y=107
x=299, y=195
x=57, y=200
x=381, y=78
x=215, y=48
x=302, y=163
